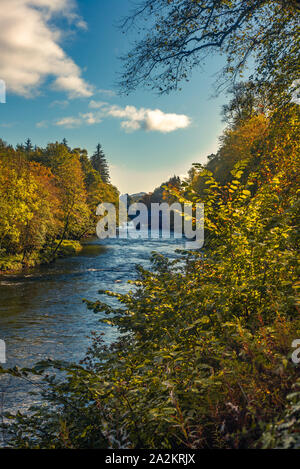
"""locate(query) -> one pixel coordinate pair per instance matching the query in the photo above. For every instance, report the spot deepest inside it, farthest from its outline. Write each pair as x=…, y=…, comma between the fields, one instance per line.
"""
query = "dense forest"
x=206, y=355
x=48, y=200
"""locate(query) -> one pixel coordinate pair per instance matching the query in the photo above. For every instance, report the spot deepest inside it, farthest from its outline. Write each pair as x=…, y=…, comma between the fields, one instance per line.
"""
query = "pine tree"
x=65, y=143
x=28, y=145
x=20, y=147
x=99, y=163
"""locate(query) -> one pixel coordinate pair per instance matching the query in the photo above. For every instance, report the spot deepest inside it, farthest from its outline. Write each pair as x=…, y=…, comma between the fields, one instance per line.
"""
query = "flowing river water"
x=42, y=314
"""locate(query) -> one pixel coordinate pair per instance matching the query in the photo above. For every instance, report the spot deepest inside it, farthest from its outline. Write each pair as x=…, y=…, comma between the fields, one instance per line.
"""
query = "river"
x=42, y=314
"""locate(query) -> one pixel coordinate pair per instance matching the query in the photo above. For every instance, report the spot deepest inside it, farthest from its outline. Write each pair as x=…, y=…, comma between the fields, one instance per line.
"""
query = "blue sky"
x=60, y=64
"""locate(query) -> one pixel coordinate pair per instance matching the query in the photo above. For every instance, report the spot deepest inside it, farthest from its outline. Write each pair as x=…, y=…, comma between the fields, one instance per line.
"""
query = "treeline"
x=159, y=196
x=48, y=200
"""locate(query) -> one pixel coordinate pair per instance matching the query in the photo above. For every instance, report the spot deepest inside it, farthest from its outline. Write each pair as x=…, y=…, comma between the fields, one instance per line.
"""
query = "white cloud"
x=97, y=104
x=74, y=85
x=88, y=118
x=91, y=118
x=131, y=117
x=30, y=48
x=148, y=119
x=69, y=122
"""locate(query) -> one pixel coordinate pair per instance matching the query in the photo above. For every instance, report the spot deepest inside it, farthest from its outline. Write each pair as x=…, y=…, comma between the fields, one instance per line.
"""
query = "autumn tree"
x=48, y=200
x=70, y=180
x=97, y=190
x=29, y=206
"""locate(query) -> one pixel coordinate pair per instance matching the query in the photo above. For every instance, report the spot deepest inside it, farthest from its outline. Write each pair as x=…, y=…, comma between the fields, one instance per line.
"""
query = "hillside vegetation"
x=48, y=200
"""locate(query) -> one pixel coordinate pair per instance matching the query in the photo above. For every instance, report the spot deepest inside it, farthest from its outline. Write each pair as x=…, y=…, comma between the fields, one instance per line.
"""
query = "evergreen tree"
x=65, y=143
x=28, y=145
x=20, y=147
x=99, y=163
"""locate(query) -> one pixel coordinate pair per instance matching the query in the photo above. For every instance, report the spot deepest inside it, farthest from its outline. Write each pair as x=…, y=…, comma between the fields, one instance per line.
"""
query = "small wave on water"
x=7, y=283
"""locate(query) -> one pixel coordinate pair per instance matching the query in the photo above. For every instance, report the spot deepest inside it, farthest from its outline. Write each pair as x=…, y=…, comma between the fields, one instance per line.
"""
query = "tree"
x=48, y=200
x=29, y=206
x=99, y=163
x=97, y=190
x=182, y=33
x=159, y=195
x=247, y=101
x=70, y=181
x=28, y=146
x=65, y=143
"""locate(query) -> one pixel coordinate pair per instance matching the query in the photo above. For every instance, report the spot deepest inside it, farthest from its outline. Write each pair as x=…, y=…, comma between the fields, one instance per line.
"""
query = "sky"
x=60, y=61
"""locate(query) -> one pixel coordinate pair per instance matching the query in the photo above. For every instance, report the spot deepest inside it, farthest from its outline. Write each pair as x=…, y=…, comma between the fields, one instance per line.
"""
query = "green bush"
x=69, y=248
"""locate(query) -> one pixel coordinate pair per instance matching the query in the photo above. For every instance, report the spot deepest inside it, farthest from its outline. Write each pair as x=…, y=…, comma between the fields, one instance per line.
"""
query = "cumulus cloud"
x=97, y=104
x=148, y=119
x=91, y=118
x=30, y=49
x=88, y=118
x=69, y=122
x=131, y=118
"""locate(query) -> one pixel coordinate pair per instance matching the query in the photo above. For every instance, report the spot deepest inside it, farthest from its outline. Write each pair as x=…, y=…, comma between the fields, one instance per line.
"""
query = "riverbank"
x=11, y=264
